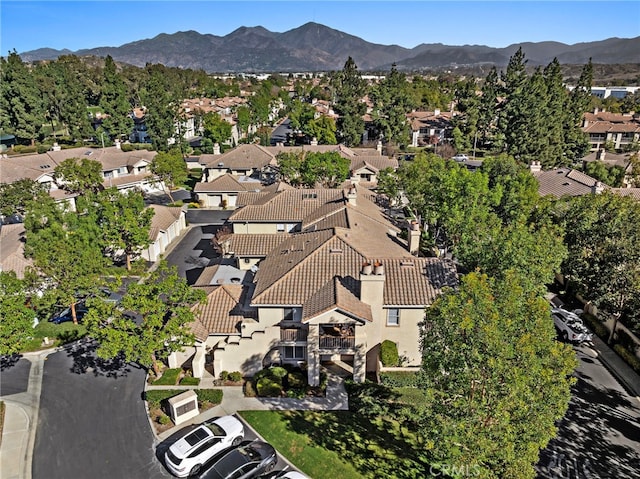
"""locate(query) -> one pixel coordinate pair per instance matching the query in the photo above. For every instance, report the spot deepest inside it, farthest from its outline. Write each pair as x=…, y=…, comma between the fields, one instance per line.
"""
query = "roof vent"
x=335, y=250
x=406, y=262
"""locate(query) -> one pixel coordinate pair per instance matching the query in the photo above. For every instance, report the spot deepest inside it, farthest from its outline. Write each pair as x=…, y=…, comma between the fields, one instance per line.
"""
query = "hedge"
x=155, y=397
x=629, y=358
x=399, y=379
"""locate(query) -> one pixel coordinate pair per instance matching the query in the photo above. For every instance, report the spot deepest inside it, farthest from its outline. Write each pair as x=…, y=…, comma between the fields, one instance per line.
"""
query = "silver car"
x=187, y=455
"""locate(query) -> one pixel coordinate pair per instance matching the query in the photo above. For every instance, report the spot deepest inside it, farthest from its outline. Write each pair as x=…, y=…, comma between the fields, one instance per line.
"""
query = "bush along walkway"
x=234, y=400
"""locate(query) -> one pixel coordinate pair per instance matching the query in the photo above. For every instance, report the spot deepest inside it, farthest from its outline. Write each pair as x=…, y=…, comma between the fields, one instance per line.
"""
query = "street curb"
x=622, y=380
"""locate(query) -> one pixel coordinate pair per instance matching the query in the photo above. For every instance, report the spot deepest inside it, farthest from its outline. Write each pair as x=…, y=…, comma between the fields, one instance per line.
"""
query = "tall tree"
x=349, y=90
x=16, y=318
x=576, y=142
x=512, y=119
x=114, y=102
x=161, y=97
x=323, y=129
x=603, y=240
x=66, y=248
x=171, y=170
x=392, y=101
x=21, y=104
x=329, y=169
x=488, y=111
x=496, y=378
x=216, y=128
x=151, y=322
x=125, y=222
x=552, y=127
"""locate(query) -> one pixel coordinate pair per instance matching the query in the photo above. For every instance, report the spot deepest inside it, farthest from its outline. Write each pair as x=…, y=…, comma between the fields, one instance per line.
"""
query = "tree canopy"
x=171, y=169
x=16, y=318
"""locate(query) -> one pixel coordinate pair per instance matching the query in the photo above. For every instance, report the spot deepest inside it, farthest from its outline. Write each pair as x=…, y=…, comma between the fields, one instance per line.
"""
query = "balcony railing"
x=337, y=342
x=294, y=334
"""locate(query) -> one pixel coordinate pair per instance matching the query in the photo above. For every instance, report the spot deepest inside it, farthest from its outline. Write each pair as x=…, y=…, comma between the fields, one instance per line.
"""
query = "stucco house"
x=621, y=130
x=328, y=279
x=426, y=125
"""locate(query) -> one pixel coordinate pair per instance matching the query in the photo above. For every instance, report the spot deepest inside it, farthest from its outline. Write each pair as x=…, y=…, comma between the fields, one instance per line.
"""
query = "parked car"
x=570, y=326
x=292, y=475
x=460, y=158
x=245, y=462
x=186, y=456
x=66, y=315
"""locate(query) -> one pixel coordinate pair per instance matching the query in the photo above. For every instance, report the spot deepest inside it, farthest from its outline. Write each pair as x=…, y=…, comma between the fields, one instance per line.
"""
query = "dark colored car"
x=248, y=461
x=65, y=315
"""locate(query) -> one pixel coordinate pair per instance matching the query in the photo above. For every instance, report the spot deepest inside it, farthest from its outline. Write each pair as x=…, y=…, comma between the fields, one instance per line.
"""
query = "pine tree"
x=349, y=90
x=114, y=102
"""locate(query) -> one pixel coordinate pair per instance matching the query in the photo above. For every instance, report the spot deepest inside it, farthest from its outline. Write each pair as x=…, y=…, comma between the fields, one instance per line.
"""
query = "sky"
x=28, y=25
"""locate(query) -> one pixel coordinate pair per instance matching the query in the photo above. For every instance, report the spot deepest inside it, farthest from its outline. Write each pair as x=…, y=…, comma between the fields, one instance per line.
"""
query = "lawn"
x=61, y=334
x=297, y=445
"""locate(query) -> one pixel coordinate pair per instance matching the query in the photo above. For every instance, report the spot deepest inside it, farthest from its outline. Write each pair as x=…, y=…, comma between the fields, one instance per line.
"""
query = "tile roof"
x=222, y=314
x=12, y=249
x=374, y=163
x=227, y=183
x=564, y=181
x=632, y=192
x=285, y=206
x=335, y=295
x=246, y=156
x=163, y=218
x=255, y=244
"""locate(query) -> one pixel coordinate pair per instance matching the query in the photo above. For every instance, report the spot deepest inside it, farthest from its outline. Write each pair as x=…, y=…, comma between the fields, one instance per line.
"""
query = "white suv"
x=460, y=158
x=186, y=456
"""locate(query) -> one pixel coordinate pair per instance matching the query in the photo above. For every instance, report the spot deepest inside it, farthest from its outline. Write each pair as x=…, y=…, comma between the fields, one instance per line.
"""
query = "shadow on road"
x=86, y=361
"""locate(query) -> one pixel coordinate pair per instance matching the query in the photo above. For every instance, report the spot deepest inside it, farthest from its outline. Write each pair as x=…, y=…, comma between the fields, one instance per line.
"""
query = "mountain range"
x=315, y=47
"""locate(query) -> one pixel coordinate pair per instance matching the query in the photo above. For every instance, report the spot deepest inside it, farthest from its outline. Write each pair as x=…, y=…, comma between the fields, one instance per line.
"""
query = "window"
x=393, y=317
x=289, y=314
x=293, y=352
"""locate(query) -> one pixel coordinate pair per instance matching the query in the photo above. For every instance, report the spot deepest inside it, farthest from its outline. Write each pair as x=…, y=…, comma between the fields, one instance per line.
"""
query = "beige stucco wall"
x=406, y=335
x=255, y=228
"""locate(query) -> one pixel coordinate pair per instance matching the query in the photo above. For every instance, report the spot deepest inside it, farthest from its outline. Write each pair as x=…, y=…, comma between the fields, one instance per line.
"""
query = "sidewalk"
x=624, y=374
x=234, y=400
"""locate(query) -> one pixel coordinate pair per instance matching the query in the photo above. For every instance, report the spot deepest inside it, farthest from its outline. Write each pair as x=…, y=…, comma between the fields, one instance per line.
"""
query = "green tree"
x=495, y=377
x=125, y=222
x=243, y=116
x=21, y=106
x=603, y=239
x=389, y=184
x=151, y=322
x=576, y=142
x=349, y=90
x=611, y=176
x=488, y=110
x=79, y=175
x=290, y=167
x=161, y=97
x=323, y=129
x=114, y=102
x=216, y=128
x=66, y=249
x=392, y=101
x=15, y=196
x=301, y=114
x=16, y=318
x=329, y=169
x=171, y=170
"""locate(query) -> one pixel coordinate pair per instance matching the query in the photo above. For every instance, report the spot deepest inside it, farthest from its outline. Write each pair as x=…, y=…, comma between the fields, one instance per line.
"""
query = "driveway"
x=194, y=252
x=92, y=420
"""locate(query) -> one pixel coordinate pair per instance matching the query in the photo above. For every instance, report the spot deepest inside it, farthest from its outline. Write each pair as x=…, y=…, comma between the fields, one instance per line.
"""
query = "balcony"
x=337, y=342
x=293, y=335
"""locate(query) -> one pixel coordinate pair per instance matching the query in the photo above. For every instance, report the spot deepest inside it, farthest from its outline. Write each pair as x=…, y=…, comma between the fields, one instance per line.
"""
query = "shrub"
x=155, y=396
x=249, y=390
x=164, y=419
x=126, y=147
x=42, y=148
x=194, y=205
x=389, y=353
x=224, y=375
x=399, y=379
x=235, y=376
x=169, y=377
x=213, y=396
x=628, y=357
x=296, y=379
x=626, y=340
x=267, y=387
x=596, y=326
x=278, y=372
x=189, y=381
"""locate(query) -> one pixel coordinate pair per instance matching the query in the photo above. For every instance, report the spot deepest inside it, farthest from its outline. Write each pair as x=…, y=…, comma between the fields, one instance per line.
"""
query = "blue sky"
x=27, y=25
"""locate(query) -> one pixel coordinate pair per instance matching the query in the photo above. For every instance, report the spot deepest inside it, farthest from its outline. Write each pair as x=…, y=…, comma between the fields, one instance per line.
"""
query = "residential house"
x=166, y=225
x=561, y=182
x=335, y=281
x=429, y=126
x=193, y=109
x=244, y=160
x=223, y=191
x=620, y=130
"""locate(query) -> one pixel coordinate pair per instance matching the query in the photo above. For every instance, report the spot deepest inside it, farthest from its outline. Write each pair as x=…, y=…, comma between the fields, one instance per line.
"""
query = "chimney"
x=414, y=238
x=535, y=167
x=597, y=188
x=601, y=154
x=117, y=143
x=352, y=195
x=372, y=283
x=216, y=149
x=379, y=147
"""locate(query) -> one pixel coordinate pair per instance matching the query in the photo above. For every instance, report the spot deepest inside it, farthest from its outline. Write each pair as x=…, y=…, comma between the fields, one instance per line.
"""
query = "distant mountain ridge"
x=315, y=47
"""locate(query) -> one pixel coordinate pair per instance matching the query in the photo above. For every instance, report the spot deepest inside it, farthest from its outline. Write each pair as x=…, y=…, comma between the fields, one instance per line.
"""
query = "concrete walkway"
x=234, y=400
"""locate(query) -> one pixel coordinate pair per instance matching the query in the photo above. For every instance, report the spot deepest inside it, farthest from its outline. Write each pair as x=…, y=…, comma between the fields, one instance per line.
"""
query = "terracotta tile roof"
x=335, y=295
x=246, y=156
x=207, y=275
x=222, y=313
x=227, y=183
x=255, y=244
x=12, y=249
x=374, y=163
x=127, y=180
x=285, y=206
x=564, y=181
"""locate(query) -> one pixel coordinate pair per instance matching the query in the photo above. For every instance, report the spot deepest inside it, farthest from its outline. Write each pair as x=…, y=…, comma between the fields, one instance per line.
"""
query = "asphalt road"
x=194, y=252
x=92, y=421
x=599, y=437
